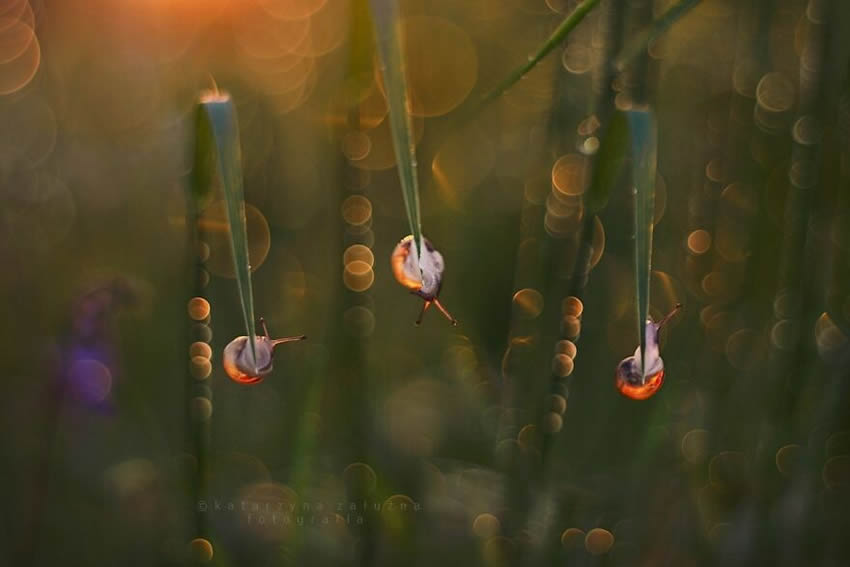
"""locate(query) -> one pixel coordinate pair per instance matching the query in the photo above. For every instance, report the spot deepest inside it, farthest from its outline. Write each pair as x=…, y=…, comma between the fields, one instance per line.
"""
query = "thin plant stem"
x=557, y=37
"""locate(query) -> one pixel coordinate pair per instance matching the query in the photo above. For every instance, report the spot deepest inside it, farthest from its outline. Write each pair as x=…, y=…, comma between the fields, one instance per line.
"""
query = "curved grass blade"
x=657, y=28
x=561, y=32
x=218, y=154
x=644, y=151
x=388, y=40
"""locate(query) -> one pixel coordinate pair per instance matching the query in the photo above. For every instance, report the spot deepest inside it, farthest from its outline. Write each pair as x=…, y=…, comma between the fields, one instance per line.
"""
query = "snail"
x=629, y=380
x=423, y=278
x=237, y=356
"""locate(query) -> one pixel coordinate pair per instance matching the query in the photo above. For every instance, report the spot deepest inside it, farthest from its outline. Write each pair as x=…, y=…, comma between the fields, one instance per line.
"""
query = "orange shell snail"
x=423, y=278
x=629, y=381
x=237, y=356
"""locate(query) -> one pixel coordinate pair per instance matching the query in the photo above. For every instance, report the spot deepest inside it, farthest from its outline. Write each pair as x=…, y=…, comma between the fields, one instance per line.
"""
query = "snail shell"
x=423, y=278
x=239, y=365
x=629, y=381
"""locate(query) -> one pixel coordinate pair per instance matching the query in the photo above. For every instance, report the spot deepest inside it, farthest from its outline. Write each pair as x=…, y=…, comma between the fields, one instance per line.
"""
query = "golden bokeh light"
x=829, y=338
x=381, y=151
x=463, y=162
x=499, y=551
x=17, y=72
x=529, y=437
x=598, y=541
x=360, y=478
x=359, y=321
x=201, y=408
x=361, y=99
x=199, y=308
x=201, y=550
x=202, y=332
x=528, y=303
x=442, y=63
x=784, y=334
x=552, y=422
x=598, y=242
x=572, y=305
x=557, y=404
x=15, y=37
x=694, y=446
x=572, y=538
x=570, y=175
x=570, y=327
x=199, y=348
x=358, y=276
x=200, y=367
x=562, y=365
x=203, y=252
x=358, y=252
x=486, y=526
x=217, y=235
x=268, y=39
x=357, y=210
x=740, y=347
x=577, y=58
x=355, y=145
x=774, y=97
x=728, y=470
x=566, y=347
x=699, y=241
x=788, y=459
x=398, y=513
x=14, y=9
x=328, y=27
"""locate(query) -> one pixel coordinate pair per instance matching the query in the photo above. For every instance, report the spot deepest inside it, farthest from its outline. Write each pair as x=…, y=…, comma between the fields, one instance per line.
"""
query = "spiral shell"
x=629, y=381
x=425, y=277
x=238, y=363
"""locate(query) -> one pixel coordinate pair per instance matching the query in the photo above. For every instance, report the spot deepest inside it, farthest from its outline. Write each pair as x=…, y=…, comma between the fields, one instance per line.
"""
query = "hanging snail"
x=237, y=356
x=629, y=381
x=423, y=278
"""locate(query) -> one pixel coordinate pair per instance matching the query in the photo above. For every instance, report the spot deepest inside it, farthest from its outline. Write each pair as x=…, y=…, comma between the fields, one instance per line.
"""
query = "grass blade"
x=644, y=146
x=218, y=154
x=388, y=40
x=631, y=134
x=557, y=37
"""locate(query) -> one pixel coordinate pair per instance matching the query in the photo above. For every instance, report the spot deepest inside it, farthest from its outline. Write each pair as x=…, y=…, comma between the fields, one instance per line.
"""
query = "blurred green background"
x=376, y=442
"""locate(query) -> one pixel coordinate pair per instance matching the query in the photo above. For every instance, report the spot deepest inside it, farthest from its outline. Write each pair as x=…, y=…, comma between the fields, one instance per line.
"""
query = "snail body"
x=423, y=277
x=238, y=364
x=629, y=380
